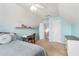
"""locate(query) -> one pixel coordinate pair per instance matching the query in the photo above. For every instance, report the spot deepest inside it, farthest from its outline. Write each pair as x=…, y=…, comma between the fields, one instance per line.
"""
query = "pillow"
x=13, y=35
x=5, y=38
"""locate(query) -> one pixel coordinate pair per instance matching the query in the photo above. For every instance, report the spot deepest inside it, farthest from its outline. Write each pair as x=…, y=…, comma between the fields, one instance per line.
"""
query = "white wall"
x=12, y=13
x=70, y=11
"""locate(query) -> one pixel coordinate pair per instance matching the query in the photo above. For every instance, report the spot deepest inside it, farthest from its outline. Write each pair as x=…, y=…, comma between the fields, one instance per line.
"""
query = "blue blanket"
x=20, y=48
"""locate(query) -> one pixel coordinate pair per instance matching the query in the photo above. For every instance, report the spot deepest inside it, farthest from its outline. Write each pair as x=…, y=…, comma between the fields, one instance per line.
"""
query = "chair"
x=31, y=38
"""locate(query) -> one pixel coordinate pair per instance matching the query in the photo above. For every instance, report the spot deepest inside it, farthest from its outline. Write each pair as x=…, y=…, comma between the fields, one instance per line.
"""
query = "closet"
x=54, y=29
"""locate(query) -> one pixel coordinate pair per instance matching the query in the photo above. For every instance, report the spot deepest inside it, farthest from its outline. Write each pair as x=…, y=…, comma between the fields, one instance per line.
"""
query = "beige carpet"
x=54, y=48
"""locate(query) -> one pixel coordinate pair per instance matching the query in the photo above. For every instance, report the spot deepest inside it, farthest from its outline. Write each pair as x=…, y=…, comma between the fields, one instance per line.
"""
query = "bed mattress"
x=20, y=48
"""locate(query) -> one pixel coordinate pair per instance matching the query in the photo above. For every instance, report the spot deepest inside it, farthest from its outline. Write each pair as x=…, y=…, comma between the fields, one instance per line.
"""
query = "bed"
x=20, y=48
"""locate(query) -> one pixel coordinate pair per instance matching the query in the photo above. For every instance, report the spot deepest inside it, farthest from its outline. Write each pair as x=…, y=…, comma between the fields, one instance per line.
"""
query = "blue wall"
x=66, y=29
x=7, y=26
x=75, y=29
x=65, y=26
x=12, y=15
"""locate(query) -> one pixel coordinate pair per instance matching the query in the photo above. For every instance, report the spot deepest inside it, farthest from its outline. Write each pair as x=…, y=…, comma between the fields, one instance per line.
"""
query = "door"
x=54, y=30
x=41, y=31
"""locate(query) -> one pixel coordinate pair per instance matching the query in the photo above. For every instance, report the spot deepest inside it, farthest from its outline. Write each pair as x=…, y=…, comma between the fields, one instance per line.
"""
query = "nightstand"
x=30, y=38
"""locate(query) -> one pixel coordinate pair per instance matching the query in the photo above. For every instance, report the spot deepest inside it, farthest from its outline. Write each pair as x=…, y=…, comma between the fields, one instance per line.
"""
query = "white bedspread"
x=20, y=48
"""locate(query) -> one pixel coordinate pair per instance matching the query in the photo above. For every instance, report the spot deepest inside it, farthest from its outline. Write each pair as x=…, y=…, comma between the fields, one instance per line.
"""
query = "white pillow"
x=5, y=38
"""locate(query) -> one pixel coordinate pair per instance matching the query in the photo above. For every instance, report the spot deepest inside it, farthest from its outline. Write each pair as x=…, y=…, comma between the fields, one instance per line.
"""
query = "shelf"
x=24, y=28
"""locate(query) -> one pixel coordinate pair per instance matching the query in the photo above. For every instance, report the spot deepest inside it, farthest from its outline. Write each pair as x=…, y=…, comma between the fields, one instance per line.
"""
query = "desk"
x=30, y=38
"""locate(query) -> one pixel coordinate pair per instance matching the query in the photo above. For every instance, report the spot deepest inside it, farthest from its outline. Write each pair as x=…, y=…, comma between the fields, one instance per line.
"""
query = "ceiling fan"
x=35, y=7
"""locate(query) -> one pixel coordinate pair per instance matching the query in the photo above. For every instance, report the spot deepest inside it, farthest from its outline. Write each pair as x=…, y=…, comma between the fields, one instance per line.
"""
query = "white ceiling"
x=49, y=9
x=70, y=11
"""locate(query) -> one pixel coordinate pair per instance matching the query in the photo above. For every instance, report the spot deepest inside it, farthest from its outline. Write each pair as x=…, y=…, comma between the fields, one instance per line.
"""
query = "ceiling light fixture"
x=34, y=7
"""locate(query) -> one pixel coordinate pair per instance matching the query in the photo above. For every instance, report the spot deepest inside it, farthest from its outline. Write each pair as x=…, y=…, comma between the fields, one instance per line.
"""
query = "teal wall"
x=7, y=26
x=75, y=29
x=65, y=26
x=12, y=15
x=69, y=28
